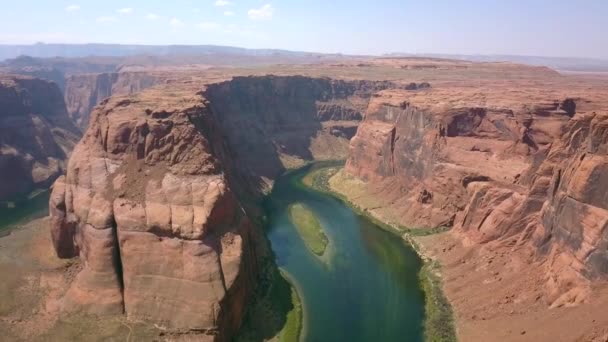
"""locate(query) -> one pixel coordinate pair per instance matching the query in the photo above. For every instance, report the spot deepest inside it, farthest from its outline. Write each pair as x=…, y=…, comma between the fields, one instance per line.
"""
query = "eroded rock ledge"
x=528, y=172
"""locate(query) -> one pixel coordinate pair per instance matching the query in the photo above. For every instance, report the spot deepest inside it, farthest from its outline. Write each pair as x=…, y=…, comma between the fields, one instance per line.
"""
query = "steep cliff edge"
x=523, y=171
x=147, y=206
x=36, y=134
x=84, y=91
x=561, y=208
x=273, y=123
x=424, y=159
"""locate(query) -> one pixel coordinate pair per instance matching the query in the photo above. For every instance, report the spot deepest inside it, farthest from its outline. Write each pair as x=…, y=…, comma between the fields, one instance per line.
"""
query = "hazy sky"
x=535, y=27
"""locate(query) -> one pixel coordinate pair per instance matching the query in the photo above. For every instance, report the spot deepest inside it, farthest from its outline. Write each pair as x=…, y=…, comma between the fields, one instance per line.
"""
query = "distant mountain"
x=117, y=50
x=574, y=64
x=224, y=55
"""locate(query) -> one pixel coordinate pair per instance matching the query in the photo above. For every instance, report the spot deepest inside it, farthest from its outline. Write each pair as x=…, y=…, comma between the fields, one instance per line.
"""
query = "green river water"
x=364, y=288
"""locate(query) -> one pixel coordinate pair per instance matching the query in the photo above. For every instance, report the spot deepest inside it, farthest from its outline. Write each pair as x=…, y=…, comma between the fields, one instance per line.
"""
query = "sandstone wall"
x=158, y=194
x=528, y=174
x=560, y=208
x=147, y=206
x=271, y=117
x=427, y=157
x=36, y=134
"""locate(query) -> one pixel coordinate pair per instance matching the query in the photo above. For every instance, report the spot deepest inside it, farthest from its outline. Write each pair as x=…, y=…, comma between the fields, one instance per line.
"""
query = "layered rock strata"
x=147, y=206
x=36, y=134
x=559, y=206
x=302, y=117
x=528, y=172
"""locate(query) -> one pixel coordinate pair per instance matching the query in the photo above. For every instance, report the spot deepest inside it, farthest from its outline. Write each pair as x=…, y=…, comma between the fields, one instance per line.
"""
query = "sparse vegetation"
x=439, y=322
x=424, y=231
x=293, y=327
x=318, y=179
x=309, y=228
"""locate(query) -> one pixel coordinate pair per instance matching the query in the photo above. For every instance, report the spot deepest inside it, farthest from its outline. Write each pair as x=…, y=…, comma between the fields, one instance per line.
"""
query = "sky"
x=565, y=28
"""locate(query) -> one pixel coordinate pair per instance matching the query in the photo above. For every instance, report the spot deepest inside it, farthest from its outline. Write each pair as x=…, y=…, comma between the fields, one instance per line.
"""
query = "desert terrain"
x=495, y=171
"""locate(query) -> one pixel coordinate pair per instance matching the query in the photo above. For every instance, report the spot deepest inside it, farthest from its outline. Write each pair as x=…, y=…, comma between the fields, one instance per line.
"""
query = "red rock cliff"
x=520, y=171
x=152, y=197
x=36, y=134
x=267, y=118
x=147, y=205
x=559, y=206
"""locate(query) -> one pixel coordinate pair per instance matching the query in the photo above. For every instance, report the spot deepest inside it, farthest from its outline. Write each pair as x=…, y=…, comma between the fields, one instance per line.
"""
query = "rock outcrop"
x=560, y=207
x=36, y=134
x=147, y=205
x=427, y=158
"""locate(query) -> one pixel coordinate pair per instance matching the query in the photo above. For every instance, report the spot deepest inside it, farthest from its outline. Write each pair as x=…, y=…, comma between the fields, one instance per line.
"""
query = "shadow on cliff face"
x=267, y=118
x=264, y=292
x=262, y=121
x=35, y=135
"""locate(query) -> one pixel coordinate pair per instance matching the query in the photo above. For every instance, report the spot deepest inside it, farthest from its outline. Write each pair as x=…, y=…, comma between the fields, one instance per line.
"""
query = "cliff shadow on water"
x=271, y=303
x=364, y=287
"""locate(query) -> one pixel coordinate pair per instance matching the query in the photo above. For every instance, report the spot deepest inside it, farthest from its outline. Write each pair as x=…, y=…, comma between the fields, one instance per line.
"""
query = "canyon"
x=36, y=135
x=160, y=198
x=161, y=171
x=520, y=168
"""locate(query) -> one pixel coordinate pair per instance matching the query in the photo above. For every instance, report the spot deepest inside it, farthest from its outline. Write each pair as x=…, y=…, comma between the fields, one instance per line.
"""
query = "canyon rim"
x=160, y=172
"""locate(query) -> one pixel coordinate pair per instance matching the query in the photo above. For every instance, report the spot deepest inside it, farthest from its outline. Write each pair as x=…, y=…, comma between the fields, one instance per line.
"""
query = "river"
x=364, y=288
x=23, y=209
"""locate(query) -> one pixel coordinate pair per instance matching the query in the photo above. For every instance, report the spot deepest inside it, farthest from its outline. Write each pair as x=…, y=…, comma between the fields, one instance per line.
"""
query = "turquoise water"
x=364, y=288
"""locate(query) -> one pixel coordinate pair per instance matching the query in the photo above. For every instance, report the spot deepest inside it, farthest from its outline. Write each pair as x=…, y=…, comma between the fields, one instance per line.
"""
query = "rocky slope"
x=156, y=196
x=500, y=166
x=560, y=207
x=36, y=134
